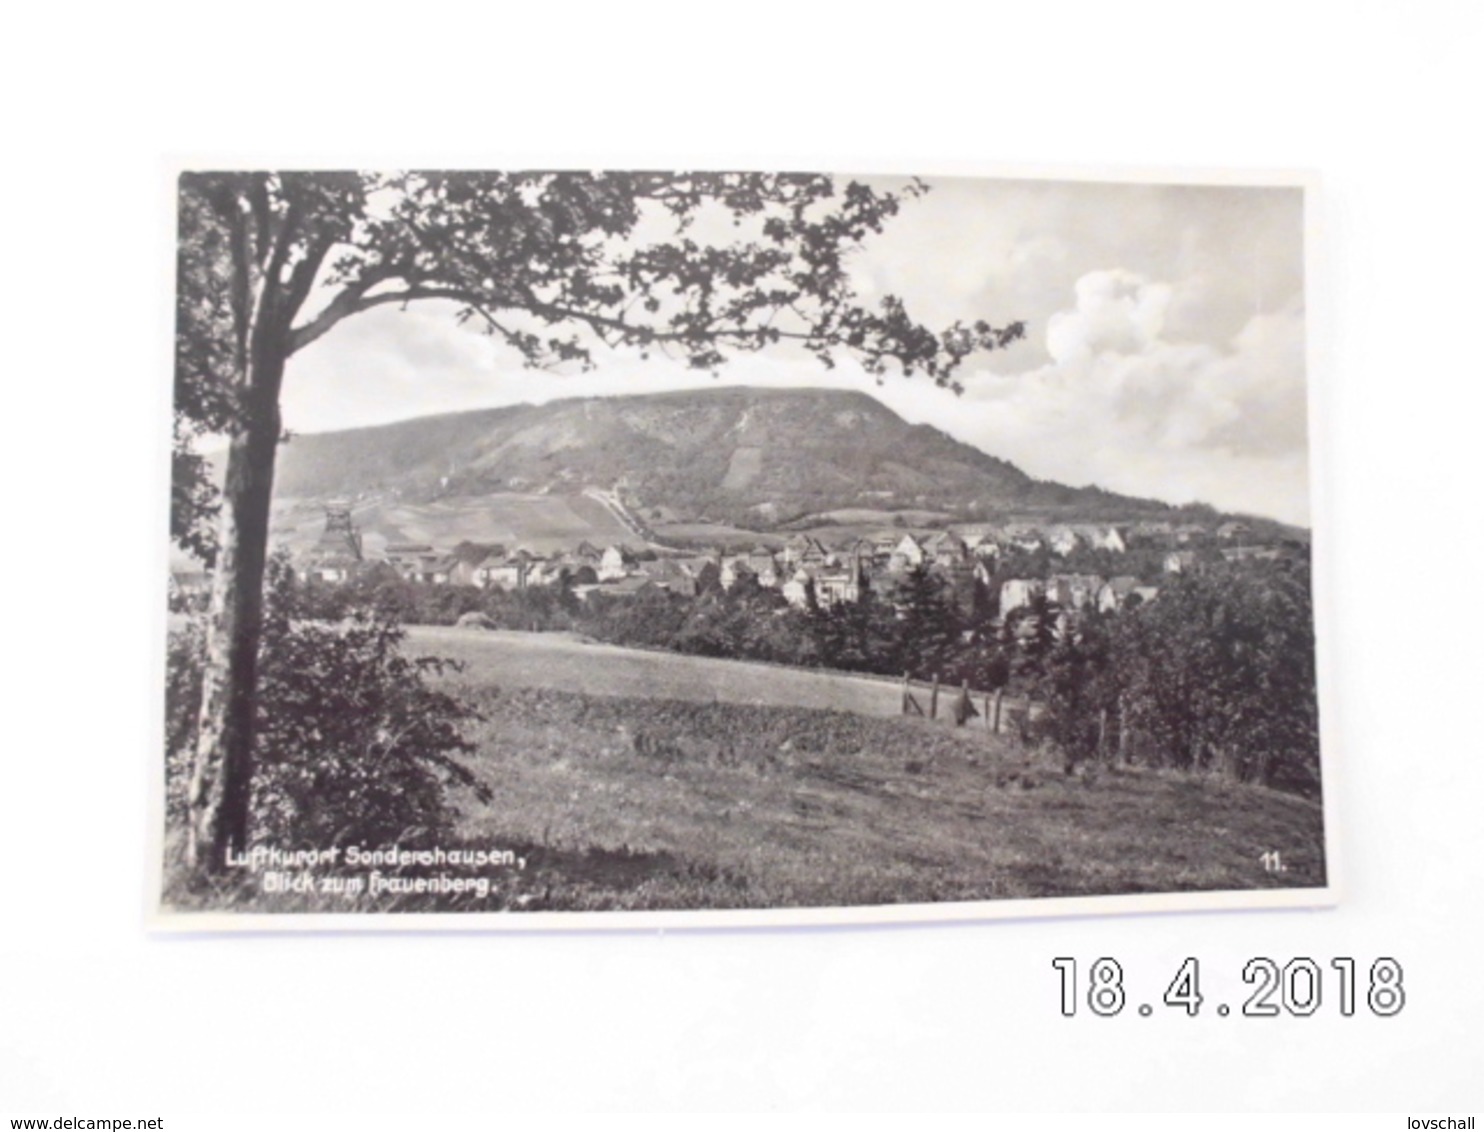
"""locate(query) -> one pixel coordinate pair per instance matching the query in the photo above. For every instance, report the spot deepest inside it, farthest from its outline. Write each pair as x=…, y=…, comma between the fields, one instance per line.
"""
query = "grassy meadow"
x=631, y=780
x=650, y=803
x=652, y=780
x=571, y=662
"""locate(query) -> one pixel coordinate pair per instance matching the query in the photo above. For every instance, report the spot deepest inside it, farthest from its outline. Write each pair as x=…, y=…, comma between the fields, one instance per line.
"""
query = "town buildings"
x=810, y=570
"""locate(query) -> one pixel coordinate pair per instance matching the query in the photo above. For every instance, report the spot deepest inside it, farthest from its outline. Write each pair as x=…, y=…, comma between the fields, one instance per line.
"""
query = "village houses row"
x=803, y=564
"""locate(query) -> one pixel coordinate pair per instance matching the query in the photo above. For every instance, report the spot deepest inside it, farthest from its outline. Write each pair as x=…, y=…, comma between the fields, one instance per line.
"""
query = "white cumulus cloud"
x=1124, y=405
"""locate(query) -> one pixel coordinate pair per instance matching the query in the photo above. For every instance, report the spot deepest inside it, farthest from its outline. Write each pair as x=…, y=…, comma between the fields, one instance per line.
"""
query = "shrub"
x=353, y=742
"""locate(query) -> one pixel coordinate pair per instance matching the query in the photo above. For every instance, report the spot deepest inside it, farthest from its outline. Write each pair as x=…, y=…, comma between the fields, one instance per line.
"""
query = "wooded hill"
x=758, y=458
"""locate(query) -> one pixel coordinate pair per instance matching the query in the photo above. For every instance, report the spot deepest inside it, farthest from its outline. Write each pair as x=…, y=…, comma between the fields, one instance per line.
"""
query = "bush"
x=353, y=744
x=1216, y=675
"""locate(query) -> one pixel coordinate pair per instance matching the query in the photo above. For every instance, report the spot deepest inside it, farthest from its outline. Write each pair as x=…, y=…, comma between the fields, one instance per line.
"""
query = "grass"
x=725, y=805
x=867, y=521
x=729, y=539
x=678, y=783
x=569, y=661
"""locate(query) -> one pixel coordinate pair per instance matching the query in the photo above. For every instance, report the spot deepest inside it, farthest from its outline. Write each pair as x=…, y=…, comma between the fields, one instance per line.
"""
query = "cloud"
x=1165, y=355
x=1117, y=312
x=1123, y=406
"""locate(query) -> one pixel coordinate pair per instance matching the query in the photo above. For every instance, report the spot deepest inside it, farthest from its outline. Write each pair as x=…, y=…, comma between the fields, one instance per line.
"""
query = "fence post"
x=1122, y=731
x=999, y=699
x=933, y=710
x=964, y=708
x=1102, y=732
x=988, y=718
x=910, y=706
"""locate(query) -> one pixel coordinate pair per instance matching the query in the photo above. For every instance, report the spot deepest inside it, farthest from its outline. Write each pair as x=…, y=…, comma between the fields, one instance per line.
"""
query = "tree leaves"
x=1218, y=673
x=277, y=259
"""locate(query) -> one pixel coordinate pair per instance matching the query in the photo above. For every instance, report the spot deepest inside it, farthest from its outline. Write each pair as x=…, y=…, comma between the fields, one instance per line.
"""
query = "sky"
x=1164, y=353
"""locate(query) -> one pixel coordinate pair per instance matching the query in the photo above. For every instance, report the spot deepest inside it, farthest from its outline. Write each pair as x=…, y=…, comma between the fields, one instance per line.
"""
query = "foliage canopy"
x=355, y=743
x=699, y=266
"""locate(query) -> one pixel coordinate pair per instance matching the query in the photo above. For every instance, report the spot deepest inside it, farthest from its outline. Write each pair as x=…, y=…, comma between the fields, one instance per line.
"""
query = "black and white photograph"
x=580, y=547
x=664, y=558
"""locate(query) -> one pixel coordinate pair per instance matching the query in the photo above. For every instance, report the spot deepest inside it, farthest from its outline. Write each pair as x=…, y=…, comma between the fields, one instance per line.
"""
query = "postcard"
x=567, y=548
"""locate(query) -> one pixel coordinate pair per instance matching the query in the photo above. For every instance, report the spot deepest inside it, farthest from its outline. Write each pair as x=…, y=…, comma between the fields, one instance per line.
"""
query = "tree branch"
x=347, y=302
x=303, y=275
x=341, y=306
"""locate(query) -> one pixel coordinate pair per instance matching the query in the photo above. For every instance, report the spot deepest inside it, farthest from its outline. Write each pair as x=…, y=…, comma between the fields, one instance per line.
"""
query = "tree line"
x=1215, y=675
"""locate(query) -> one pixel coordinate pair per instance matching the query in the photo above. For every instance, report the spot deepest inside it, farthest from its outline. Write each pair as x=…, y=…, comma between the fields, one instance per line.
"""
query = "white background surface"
x=1381, y=99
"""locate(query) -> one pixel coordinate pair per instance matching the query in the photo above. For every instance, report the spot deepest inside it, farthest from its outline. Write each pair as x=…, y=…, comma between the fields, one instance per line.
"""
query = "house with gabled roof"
x=1115, y=592
x=616, y=562
x=1233, y=531
x=626, y=586
x=834, y=587
x=858, y=550
x=437, y=569
x=1018, y=592
x=330, y=566
x=764, y=568
x=1181, y=561
x=758, y=564
x=989, y=549
x=670, y=575
x=843, y=581
x=1063, y=540
x=544, y=572
x=1150, y=532
x=1107, y=538
x=696, y=565
x=406, y=558
x=1022, y=536
x=946, y=549
x=507, y=571
x=802, y=549
x=907, y=554
x=1073, y=591
x=421, y=564
x=796, y=589
x=468, y=557
x=732, y=568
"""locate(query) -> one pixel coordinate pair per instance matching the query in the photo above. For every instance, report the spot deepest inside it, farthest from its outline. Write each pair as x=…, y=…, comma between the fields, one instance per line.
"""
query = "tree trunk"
x=221, y=778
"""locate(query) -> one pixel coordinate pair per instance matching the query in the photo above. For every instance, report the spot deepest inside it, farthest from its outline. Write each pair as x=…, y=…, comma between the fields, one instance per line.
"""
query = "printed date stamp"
x=1299, y=988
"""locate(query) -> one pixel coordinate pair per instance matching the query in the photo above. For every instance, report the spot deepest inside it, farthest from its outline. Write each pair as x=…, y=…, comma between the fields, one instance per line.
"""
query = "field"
x=637, y=780
x=729, y=539
x=567, y=662
x=873, y=519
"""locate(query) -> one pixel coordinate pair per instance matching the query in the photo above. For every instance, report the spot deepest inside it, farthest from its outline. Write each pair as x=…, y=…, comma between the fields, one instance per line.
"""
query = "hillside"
x=756, y=458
